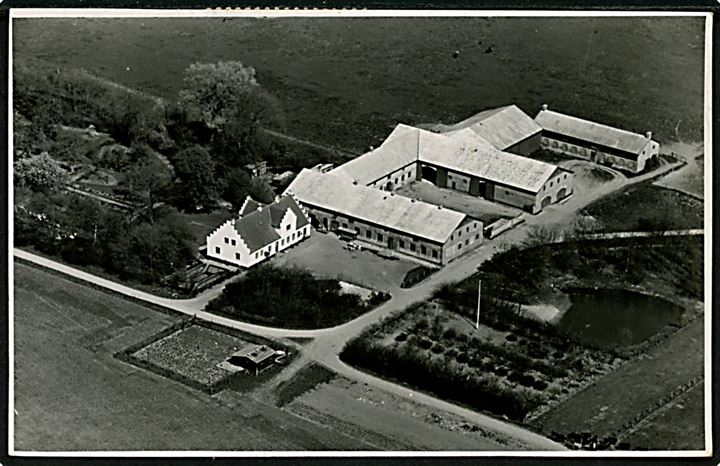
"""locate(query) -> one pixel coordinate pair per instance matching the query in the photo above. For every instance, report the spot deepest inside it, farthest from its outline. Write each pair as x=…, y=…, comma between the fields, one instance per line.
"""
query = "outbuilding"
x=595, y=142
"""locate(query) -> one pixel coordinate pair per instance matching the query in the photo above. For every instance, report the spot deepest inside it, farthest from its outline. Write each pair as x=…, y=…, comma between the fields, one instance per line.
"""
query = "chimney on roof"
x=355, y=182
x=259, y=208
x=439, y=207
x=412, y=199
x=544, y=106
x=648, y=135
x=277, y=198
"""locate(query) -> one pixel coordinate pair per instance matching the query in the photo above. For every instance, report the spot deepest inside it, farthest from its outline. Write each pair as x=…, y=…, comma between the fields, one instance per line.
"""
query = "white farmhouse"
x=259, y=232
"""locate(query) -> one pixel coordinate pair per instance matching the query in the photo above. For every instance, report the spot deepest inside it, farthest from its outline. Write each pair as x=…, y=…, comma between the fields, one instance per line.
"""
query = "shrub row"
x=443, y=379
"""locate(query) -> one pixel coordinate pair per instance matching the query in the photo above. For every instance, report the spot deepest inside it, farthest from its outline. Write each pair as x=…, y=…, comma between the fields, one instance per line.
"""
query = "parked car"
x=352, y=247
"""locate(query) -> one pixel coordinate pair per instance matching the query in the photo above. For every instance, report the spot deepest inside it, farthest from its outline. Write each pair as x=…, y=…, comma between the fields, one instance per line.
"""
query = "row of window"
x=402, y=244
x=467, y=241
x=396, y=182
x=467, y=230
x=282, y=242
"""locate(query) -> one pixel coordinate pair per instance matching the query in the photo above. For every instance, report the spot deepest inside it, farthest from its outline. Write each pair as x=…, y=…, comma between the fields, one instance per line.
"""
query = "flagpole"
x=477, y=318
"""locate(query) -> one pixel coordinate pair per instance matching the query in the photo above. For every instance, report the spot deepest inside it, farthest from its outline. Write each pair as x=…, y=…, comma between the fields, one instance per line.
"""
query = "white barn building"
x=596, y=142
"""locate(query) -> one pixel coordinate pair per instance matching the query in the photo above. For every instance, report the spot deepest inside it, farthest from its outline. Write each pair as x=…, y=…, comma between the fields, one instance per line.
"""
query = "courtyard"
x=323, y=255
x=482, y=209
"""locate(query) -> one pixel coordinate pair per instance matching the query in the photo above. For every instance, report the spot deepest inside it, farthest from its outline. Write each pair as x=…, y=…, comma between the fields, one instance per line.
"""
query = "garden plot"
x=191, y=355
x=509, y=366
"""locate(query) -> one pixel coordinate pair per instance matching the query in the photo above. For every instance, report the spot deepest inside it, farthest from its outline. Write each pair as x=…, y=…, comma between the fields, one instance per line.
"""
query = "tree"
x=236, y=186
x=40, y=173
x=150, y=252
x=196, y=171
x=213, y=91
x=148, y=180
x=261, y=191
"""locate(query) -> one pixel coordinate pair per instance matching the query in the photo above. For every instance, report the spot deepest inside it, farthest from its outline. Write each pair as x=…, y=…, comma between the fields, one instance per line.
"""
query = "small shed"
x=257, y=169
x=254, y=358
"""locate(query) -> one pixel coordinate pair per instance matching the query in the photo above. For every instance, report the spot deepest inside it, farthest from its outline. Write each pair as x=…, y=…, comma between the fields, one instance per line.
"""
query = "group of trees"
x=216, y=129
x=287, y=297
x=81, y=231
x=209, y=133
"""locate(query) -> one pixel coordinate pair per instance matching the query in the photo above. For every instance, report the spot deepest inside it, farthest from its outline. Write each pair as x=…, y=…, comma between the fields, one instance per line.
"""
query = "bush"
x=511, y=337
x=416, y=275
x=438, y=348
x=377, y=297
x=402, y=336
x=450, y=334
x=421, y=325
x=425, y=343
x=287, y=297
x=540, y=385
x=522, y=378
x=440, y=378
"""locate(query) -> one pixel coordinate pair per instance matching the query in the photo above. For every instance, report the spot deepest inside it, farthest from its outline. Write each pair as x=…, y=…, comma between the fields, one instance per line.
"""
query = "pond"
x=609, y=318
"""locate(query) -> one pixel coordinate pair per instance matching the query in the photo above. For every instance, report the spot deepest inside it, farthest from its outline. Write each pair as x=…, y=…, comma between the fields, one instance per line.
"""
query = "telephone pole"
x=477, y=318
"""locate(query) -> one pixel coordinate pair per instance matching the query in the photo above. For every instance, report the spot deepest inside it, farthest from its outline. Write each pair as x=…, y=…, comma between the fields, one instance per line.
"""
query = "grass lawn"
x=347, y=82
x=680, y=426
x=647, y=207
x=603, y=408
x=303, y=381
x=671, y=268
x=71, y=394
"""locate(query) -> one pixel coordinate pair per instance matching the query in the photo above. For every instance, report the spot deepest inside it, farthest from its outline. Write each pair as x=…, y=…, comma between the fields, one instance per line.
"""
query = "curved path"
x=328, y=343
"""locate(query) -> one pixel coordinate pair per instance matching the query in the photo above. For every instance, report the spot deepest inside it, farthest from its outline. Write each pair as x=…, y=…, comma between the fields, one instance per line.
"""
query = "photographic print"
x=306, y=233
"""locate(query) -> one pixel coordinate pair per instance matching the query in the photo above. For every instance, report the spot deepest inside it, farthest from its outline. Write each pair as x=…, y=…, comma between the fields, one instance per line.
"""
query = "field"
x=347, y=82
x=647, y=207
x=680, y=426
x=603, y=409
x=482, y=209
x=192, y=353
x=322, y=252
x=380, y=420
x=71, y=394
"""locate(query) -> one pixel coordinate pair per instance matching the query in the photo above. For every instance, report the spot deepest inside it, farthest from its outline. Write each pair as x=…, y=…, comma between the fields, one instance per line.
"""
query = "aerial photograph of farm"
x=352, y=233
